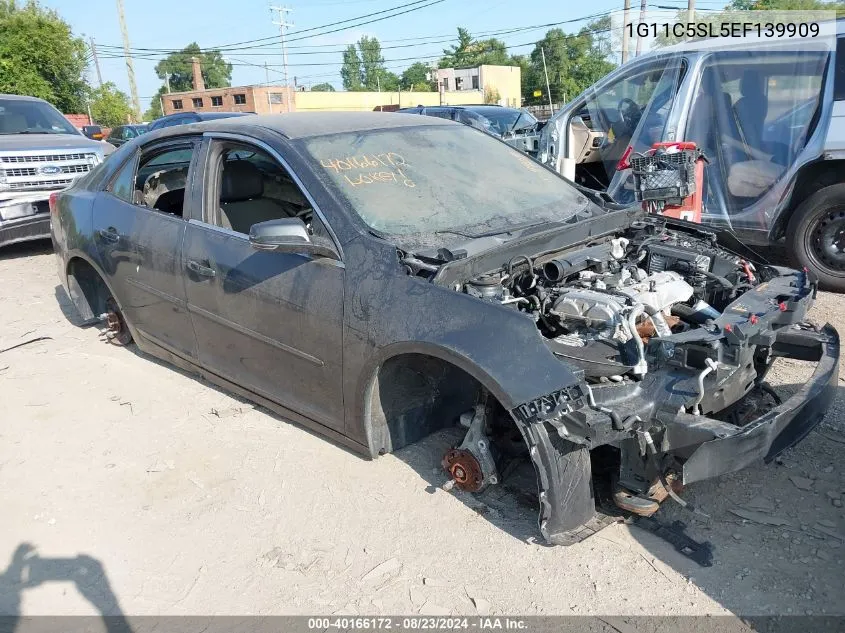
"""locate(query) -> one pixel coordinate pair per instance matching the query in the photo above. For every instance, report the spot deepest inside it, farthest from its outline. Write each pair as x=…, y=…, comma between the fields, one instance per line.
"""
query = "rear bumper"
x=782, y=427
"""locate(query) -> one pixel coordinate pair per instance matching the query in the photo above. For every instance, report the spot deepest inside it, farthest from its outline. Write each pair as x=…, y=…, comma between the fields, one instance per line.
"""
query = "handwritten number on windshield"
x=376, y=163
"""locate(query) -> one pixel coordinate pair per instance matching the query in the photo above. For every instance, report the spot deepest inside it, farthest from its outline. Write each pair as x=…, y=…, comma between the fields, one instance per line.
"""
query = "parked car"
x=123, y=133
x=94, y=132
x=353, y=272
x=769, y=115
x=183, y=118
x=40, y=152
x=516, y=127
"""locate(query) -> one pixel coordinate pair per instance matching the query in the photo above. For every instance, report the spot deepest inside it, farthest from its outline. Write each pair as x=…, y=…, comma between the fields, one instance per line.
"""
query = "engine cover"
x=590, y=309
x=659, y=291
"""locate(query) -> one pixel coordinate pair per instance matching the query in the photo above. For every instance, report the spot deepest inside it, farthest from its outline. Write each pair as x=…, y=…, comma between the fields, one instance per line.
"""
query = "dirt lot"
x=127, y=485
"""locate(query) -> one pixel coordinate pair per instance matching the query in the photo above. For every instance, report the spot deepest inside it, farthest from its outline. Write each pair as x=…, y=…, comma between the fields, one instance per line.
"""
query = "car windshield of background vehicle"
x=32, y=117
x=417, y=181
x=506, y=120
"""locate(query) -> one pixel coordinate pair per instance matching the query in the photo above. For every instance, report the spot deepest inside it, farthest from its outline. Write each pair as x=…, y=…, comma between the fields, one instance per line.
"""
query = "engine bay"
x=598, y=306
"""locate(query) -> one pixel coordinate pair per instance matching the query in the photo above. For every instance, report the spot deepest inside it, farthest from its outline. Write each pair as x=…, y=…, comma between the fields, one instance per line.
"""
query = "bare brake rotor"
x=464, y=469
x=116, y=332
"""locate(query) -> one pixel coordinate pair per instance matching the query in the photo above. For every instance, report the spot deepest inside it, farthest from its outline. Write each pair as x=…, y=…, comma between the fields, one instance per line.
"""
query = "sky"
x=314, y=57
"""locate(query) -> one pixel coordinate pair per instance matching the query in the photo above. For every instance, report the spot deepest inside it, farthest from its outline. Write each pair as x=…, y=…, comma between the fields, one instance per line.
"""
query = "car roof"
x=21, y=98
x=307, y=124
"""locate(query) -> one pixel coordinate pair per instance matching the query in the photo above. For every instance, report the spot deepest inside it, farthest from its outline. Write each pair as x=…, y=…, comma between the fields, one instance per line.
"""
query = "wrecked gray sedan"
x=379, y=278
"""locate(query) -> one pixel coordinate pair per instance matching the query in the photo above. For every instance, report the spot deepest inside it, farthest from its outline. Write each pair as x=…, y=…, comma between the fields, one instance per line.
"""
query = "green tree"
x=416, y=77
x=154, y=111
x=40, y=56
x=785, y=5
x=458, y=55
x=326, y=87
x=363, y=67
x=574, y=62
x=491, y=94
x=109, y=106
x=469, y=53
x=351, y=73
x=216, y=71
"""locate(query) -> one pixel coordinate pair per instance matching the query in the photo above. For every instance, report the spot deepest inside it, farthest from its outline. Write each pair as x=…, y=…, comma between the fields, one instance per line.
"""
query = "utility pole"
x=642, y=19
x=167, y=82
x=266, y=74
x=96, y=63
x=130, y=70
x=690, y=10
x=626, y=20
x=548, y=89
x=283, y=25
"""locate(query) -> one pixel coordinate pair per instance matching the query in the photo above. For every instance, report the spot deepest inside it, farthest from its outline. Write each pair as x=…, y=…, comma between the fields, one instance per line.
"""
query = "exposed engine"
x=599, y=306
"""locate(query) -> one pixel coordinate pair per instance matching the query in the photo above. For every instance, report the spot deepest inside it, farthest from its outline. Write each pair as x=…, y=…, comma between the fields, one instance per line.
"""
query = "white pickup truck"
x=40, y=152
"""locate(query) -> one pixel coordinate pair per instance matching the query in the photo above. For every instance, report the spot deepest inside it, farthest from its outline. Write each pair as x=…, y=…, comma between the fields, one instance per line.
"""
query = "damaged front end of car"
x=670, y=336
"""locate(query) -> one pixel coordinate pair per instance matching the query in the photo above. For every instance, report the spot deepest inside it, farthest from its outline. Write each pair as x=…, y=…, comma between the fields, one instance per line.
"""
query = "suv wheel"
x=816, y=236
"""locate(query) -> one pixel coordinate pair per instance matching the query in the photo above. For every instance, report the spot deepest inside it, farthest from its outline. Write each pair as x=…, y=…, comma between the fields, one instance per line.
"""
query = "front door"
x=139, y=225
x=270, y=322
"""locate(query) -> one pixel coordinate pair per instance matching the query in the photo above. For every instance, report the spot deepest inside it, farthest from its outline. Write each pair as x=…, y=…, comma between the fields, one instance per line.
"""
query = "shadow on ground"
x=26, y=249
x=27, y=570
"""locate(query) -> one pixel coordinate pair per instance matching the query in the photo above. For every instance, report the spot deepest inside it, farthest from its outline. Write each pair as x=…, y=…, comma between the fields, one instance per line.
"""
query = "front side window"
x=116, y=133
x=752, y=116
x=633, y=110
x=419, y=184
x=177, y=104
x=253, y=187
x=240, y=99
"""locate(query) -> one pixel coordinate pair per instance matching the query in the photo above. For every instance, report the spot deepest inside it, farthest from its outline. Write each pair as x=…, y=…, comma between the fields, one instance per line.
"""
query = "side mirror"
x=289, y=235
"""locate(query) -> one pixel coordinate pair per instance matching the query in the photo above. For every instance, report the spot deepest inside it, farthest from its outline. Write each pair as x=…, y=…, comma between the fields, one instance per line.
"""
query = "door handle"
x=201, y=269
x=110, y=234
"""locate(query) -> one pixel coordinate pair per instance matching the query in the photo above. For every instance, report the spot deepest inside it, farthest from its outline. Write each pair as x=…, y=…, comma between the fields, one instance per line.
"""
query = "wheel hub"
x=464, y=469
x=827, y=240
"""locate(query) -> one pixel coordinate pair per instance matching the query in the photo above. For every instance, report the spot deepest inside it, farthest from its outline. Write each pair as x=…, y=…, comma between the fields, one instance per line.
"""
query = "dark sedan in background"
x=380, y=278
x=518, y=128
x=123, y=133
x=184, y=118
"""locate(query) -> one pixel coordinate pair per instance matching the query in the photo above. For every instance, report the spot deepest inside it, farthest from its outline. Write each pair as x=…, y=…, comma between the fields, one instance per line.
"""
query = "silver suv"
x=40, y=152
x=769, y=116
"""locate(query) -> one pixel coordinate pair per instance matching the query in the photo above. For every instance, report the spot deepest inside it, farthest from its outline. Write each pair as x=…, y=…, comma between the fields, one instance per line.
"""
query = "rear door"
x=268, y=321
x=139, y=225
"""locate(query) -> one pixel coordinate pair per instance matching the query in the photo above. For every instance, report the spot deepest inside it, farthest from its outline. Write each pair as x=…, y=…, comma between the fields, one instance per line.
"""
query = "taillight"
x=54, y=200
x=623, y=163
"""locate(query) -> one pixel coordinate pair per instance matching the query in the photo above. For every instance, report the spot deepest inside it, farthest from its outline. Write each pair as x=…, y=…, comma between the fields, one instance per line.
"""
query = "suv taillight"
x=54, y=207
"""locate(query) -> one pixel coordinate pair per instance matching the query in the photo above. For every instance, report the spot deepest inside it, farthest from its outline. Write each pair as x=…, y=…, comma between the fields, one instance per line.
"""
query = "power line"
x=440, y=39
x=415, y=6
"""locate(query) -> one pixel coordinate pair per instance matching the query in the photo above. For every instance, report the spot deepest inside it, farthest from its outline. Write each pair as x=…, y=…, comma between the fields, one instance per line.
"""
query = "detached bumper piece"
x=780, y=428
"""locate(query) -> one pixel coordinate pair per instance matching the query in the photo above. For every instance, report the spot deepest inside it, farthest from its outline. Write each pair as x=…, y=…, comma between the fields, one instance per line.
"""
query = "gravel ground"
x=130, y=486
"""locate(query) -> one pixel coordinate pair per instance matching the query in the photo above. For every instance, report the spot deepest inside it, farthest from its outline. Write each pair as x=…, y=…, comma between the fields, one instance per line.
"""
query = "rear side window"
x=839, y=72
x=123, y=183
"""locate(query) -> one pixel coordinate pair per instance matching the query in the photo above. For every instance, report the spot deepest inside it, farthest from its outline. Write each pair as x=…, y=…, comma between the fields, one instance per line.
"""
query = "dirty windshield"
x=441, y=180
